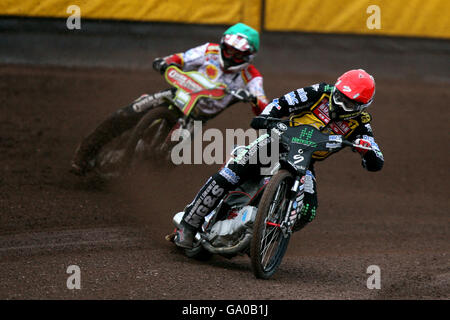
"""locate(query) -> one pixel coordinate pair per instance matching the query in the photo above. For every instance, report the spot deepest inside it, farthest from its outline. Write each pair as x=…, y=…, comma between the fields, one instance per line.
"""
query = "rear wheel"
x=108, y=162
x=269, y=244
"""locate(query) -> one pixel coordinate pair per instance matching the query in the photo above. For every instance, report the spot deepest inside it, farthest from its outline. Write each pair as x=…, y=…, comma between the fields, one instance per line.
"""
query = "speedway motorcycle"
x=151, y=139
x=258, y=217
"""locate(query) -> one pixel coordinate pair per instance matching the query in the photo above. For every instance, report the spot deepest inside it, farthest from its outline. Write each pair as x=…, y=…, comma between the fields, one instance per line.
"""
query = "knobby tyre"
x=153, y=128
x=268, y=244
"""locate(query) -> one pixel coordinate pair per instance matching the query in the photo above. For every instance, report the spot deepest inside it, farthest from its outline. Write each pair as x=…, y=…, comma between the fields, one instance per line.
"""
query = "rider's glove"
x=245, y=96
x=261, y=122
x=362, y=143
x=160, y=65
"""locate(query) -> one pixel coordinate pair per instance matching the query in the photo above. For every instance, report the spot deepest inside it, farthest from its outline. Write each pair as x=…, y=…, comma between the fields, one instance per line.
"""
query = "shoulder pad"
x=212, y=48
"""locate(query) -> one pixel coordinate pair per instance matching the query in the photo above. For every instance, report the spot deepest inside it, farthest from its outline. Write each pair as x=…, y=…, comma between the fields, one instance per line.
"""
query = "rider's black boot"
x=184, y=236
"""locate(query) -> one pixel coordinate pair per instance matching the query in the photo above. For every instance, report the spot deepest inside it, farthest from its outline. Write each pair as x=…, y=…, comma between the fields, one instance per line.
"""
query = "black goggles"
x=233, y=54
x=346, y=103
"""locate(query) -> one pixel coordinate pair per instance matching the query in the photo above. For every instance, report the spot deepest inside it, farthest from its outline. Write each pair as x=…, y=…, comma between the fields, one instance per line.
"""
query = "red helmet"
x=353, y=92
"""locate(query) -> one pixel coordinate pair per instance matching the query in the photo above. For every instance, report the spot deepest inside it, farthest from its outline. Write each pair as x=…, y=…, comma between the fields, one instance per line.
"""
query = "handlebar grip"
x=353, y=145
x=274, y=119
x=347, y=143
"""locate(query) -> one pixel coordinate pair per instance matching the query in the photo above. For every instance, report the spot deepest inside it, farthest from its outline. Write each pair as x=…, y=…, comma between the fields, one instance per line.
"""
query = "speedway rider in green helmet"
x=227, y=62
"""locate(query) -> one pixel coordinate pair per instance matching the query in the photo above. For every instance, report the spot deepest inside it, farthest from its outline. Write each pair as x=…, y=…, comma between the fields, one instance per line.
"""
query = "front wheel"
x=269, y=243
x=149, y=137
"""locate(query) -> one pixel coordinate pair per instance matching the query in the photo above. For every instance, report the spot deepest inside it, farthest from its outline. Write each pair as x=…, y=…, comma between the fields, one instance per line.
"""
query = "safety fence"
x=416, y=18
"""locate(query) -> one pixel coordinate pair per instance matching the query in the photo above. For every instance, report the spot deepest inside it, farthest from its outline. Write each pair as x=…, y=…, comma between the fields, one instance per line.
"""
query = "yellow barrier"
x=225, y=12
x=430, y=18
x=423, y=18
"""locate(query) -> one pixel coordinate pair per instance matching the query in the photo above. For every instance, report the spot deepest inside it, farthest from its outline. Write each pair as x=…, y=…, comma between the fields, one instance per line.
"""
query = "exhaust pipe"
x=239, y=247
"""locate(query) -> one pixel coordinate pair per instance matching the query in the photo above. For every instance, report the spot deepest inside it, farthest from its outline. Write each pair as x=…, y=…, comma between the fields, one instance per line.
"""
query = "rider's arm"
x=294, y=101
x=161, y=64
x=260, y=104
x=187, y=61
x=254, y=84
x=195, y=57
x=372, y=160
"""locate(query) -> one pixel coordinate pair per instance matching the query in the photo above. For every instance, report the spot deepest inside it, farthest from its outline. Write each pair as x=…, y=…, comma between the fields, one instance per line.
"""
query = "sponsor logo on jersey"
x=291, y=98
x=321, y=111
x=275, y=103
x=302, y=94
x=340, y=127
x=211, y=71
x=365, y=117
x=328, y=88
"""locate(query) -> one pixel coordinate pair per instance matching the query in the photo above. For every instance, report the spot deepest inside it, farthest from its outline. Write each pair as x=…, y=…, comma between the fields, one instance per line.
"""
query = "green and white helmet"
x=238, y=47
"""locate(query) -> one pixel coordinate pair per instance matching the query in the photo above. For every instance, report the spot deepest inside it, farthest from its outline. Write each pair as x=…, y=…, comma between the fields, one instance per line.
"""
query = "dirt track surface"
x=396, y=219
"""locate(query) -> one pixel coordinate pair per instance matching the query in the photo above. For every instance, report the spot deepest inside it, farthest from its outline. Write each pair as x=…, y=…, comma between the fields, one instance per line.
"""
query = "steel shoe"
x=184, y=237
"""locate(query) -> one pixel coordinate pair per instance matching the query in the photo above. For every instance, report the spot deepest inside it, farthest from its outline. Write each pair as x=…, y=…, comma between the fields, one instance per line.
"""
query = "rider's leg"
x=207, y=199
x=310, y=202
x=117, y=123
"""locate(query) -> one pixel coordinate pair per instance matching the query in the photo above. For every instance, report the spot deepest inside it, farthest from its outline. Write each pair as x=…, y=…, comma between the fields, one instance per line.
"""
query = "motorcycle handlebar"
x=246, y=97
x=344, y=142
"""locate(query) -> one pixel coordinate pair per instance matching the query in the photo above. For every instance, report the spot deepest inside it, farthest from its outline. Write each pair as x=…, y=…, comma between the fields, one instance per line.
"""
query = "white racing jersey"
x=206, y=60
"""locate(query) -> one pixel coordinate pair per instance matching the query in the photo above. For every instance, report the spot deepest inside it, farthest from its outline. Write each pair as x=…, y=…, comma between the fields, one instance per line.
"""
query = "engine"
x=228, y=232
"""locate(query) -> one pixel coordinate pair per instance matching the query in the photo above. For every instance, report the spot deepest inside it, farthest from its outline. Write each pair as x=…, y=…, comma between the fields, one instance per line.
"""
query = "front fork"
x=295, y=197
x=167, y=144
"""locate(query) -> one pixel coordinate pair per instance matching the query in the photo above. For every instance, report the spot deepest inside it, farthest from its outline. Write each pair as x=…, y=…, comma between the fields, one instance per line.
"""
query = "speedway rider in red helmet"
x=228, y=62
x=338, y=109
